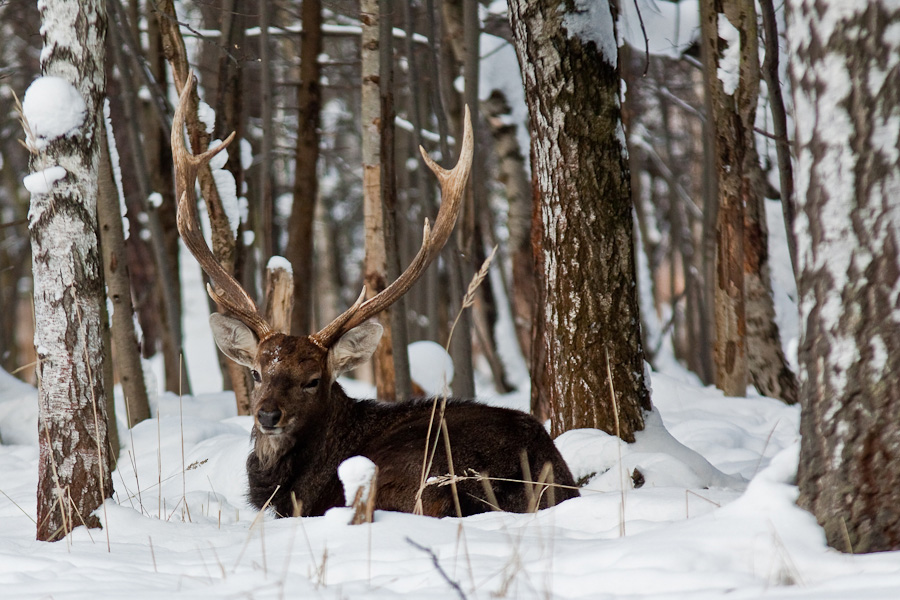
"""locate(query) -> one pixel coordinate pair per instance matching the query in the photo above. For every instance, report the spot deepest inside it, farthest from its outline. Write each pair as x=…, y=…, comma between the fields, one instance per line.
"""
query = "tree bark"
x=732, y=123
x=399, y=338
x=306, y=182
x=279, y=295
x=587, y=282
x=160, y=221
x=224, y=244
x=845, y=74
x=73, y=468
x=514, y=177
x=125, y=345
x=768, y=367
x=772, y=77
x=375, y=268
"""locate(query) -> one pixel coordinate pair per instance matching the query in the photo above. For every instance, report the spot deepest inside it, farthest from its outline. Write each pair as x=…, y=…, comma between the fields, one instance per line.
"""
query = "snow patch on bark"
x=116, y=169
x=246, y=154
x=42, y=181
x=729, y=65
x=53, y=108
x=207, y=116
x=591, y=21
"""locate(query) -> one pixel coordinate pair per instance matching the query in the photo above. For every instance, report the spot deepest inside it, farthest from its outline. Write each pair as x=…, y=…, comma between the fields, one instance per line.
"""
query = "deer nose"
x=268, y=418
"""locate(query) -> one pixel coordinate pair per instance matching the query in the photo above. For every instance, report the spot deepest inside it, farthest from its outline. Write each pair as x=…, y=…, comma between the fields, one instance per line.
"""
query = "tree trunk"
x=587, y=289
x=124, y=340
x=771, y=75
x=266, y=225
x=399, y=339
x=845, y=74
x=769, y=369
x=306, y=182
x=73, y=470
x=732, y=123
x=376, y=258
x=459, y=249
x=224, y=244
x=514, y=176
x=161, y=219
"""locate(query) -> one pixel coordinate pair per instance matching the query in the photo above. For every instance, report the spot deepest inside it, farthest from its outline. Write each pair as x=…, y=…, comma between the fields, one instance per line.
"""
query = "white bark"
x=68, y=277
x=845, y=70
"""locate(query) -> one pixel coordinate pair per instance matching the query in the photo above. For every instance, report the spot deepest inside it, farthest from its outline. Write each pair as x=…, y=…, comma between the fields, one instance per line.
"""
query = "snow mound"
x=430, y=367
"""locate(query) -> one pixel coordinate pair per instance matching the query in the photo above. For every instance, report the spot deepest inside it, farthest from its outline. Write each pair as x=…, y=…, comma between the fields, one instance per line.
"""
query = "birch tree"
x=588, y=361
x=845, y=73
x=62, y=119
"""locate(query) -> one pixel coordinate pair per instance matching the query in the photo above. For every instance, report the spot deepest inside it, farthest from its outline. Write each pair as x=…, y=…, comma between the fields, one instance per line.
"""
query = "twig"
x=437, y=565
x=646, y=39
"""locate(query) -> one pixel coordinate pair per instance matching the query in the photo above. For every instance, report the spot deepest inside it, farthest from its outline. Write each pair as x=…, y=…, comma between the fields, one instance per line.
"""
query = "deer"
x=304, y=423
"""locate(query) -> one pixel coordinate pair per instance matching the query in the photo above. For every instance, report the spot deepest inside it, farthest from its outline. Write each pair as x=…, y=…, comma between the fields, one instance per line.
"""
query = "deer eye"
x=256, y=376
x=311, y=384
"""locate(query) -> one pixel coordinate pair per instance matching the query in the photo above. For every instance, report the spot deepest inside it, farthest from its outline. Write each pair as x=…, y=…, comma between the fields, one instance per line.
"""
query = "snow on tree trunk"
x=726, y=31
x=845, y=71
x=74, y=475
x=587, y=294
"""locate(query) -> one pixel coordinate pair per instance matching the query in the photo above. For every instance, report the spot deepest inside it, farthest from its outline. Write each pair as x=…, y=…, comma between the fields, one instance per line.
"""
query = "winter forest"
x=449, y=299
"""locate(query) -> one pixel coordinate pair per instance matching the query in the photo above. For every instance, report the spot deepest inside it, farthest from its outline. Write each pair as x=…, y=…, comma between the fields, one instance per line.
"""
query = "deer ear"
x=234, y=339
x=354, y=348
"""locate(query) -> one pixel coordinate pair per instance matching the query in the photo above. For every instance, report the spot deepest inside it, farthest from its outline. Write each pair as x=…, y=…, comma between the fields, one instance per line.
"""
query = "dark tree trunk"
x=846, y=75
x=590, y=323
x=306, y=182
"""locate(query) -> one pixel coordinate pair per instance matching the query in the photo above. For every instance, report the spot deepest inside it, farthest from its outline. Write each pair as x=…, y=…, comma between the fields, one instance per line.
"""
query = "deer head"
x=290, y=371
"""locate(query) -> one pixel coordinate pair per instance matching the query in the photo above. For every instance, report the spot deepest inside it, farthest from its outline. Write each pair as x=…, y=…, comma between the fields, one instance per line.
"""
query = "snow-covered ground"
x=715, y=517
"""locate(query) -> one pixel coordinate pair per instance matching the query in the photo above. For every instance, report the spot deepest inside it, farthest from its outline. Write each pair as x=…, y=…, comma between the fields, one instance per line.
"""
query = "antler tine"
x=453, y=184
x=228, y=293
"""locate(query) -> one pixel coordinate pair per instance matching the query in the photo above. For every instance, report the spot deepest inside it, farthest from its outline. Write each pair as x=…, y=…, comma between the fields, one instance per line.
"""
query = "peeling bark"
x=732, y=124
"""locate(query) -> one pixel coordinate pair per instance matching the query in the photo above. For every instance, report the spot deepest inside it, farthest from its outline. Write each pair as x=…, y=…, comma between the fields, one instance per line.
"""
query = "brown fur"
x=320, y=426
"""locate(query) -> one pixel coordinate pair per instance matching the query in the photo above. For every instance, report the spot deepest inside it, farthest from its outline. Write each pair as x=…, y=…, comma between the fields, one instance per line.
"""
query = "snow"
x=279, y=263
x=356, y=472
x=430, y=367
x=53, y=108
x=246, y=154
x=592, y=21
x=42, y=181
x=715, y=517
x=207, y=116
x=729, y=66
x=116, y=169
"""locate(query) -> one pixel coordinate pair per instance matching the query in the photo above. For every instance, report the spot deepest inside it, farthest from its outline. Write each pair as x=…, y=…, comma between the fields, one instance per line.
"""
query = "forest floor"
x=715, y=517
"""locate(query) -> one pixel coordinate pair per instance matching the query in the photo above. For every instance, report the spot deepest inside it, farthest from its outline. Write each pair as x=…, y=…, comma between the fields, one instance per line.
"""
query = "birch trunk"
x=73, y=469
x=587, y=282
x=845, y=73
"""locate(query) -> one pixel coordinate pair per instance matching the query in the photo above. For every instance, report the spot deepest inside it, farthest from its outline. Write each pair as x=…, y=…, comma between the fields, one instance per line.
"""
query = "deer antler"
x=228, y=292
x=453, y=184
